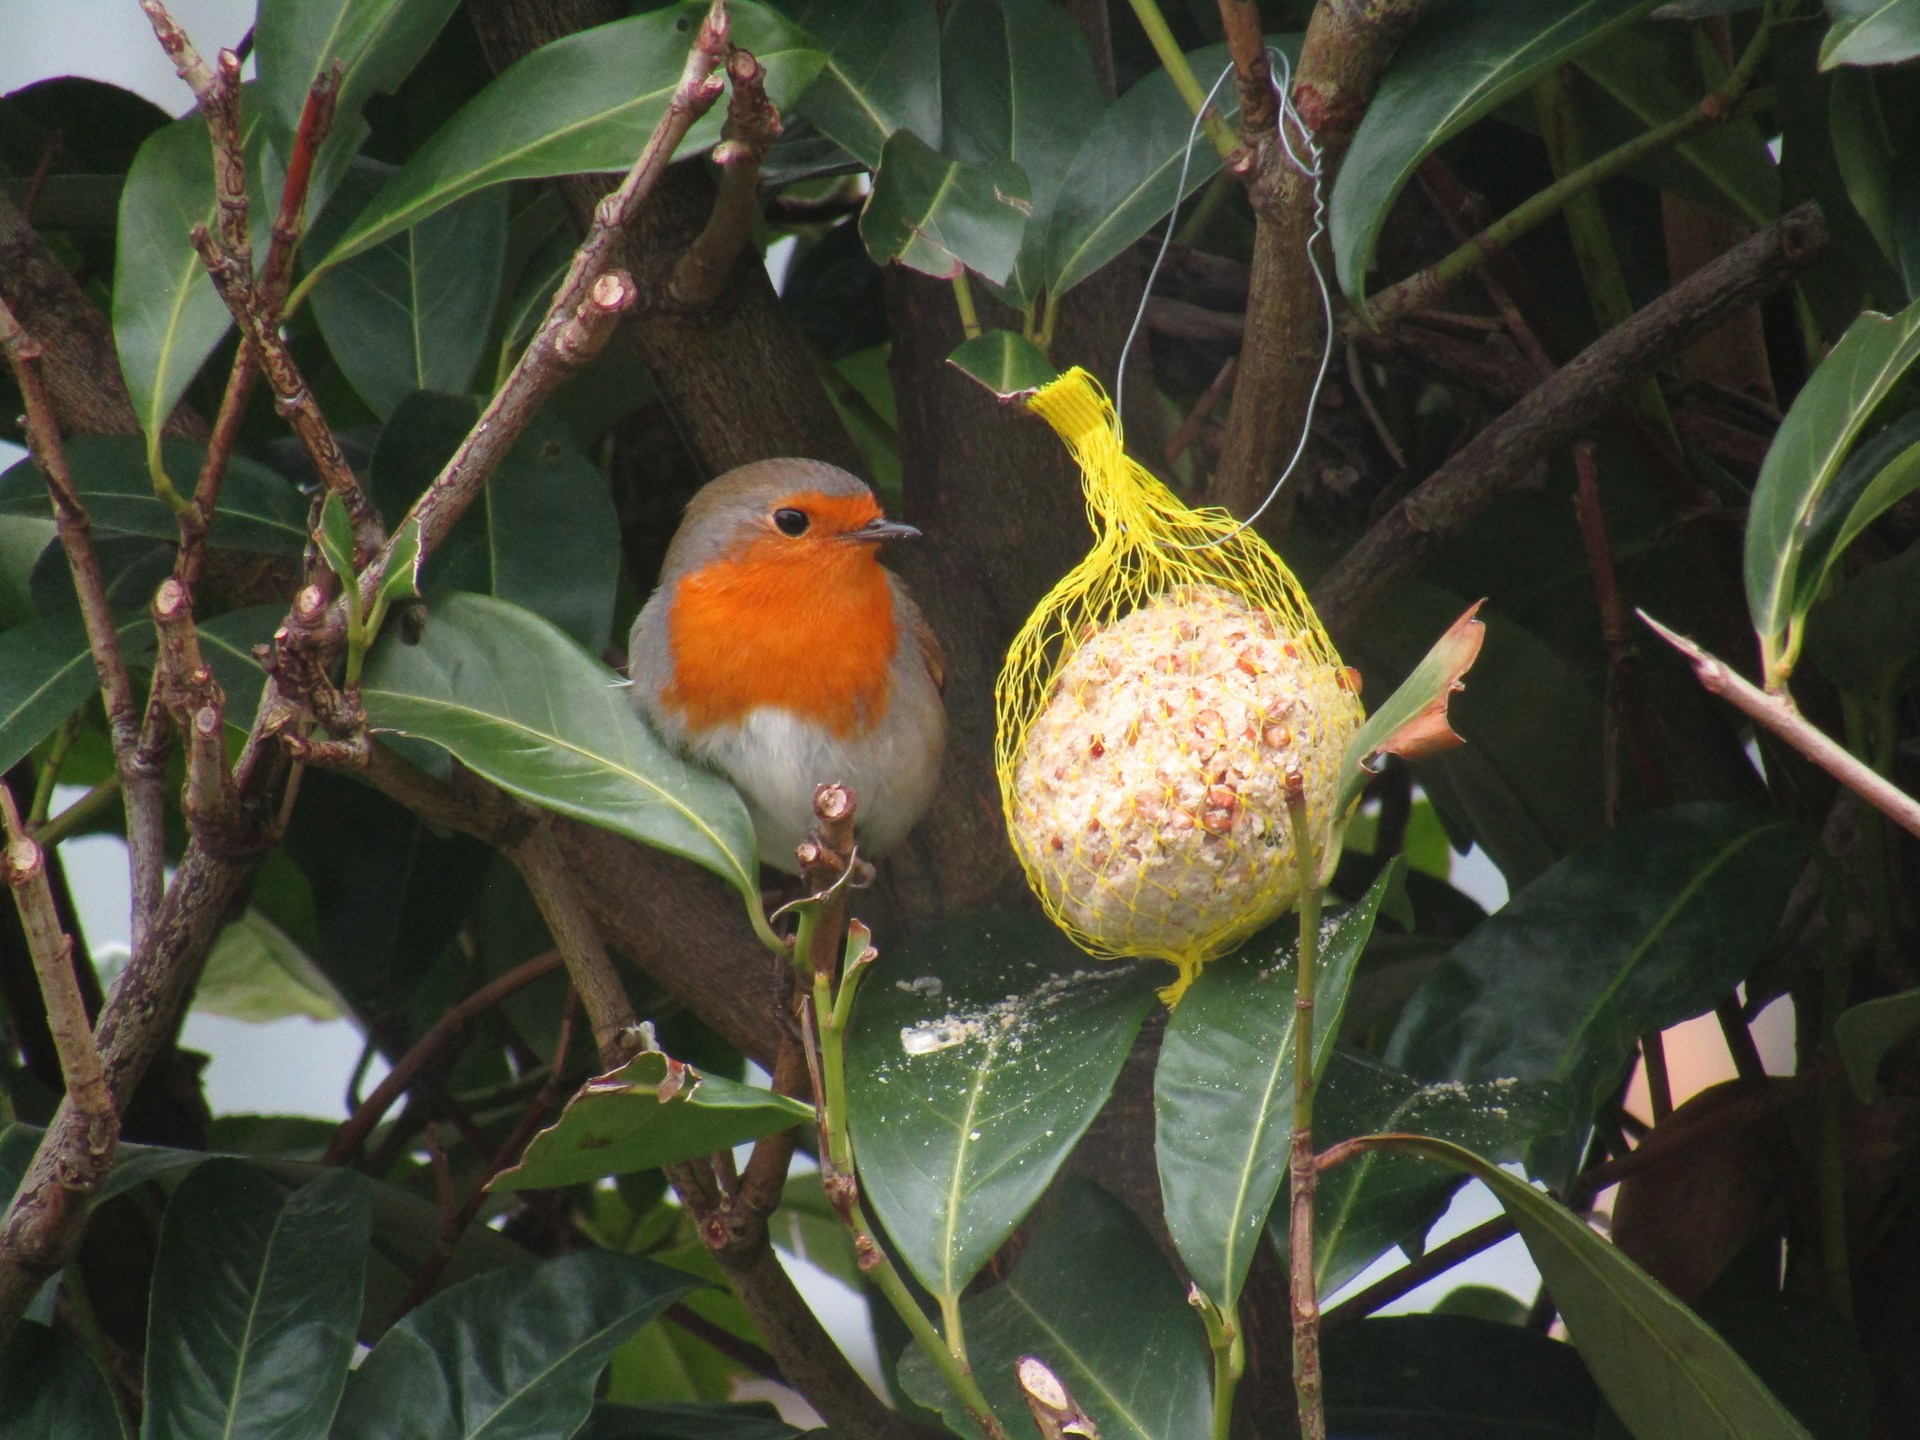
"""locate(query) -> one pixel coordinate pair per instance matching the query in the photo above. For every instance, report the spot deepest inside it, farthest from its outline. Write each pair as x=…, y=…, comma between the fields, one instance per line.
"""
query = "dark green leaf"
x=256, y=973
x=377, y=42
x=543, y=533
x=226, y=644
x=882, y=73
x=1005, y=363
x=651, y=1112
x=1434, y=1377
x=683, y=1422
x=1367, y=1205
x=1867, y=1031
x=1223, y=1091
x=1871, y=32
x=51, y=1389
x=939, y=216
x=256, y=1294
x=166, y=315
x=1018, y=83
x=586, y=102
x=46, y=673
x=1126, y=176
x=1664, y=1372
x=1654, y=923
x=510, y=1355
x=517, y=701
x=1783, y=570
x=258, y=510
x=980, y=1052
x=1092, y=1297
x=1866, y=638
x=1454, y=68
x=413, y=312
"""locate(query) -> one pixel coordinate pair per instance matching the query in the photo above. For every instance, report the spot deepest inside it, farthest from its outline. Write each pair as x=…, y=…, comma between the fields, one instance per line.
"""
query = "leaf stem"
x=1717, y=107
x=1229, y=1347
x=77, y=814
x=963, y=302
x=1184, y=80
x=1303, y=1172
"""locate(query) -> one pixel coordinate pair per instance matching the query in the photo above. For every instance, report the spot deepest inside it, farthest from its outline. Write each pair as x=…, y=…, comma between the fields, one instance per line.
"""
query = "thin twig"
x=1777, y=713
x=752, y=125
x=352, y=1134
x=1303, y=1174
x=554, y=890
x=1415, y=1273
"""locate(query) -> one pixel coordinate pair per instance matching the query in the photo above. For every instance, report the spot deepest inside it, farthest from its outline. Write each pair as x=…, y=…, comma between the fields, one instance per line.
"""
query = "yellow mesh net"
x=1151, y=711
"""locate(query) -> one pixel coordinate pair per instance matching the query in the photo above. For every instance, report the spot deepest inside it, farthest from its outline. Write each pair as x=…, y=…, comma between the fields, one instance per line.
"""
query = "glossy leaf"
x=377, y=42
x=1871, y=32
x=1792, y=512
x=586, y=102
x=650, y=1112
x=1223, y=1091
x=1650, y=925
x=51, y=1389
x=543, y=533
x=881, y=73
x=166, y=315
x=226, y=644
x=1443, y=1377
x=1666, y=1374
x=938, y=215
x=980, y=1052
x=510, y=1355
x=1413, y=720
x=413, y=312
x=1092, y=1297
x=1127, y=173
x=256, y=1297
x=46, y=673
x=1453, y=69
x=256, y=973
x=335, y=537
x=1867, y=1031
x=1007, y=364
x=1017, y=82
x=1366, y=1205
x=701, y=1421
x=259, y=510
x=515, y=700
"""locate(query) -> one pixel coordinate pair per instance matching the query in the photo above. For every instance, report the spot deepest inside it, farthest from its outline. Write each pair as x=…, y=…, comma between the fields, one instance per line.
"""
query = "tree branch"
x=1553, y=413
x=609, y=1011
x=753, y=124
x=1776, y=711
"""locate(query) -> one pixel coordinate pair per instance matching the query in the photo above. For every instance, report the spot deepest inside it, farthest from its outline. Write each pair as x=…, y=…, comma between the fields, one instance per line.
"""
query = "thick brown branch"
x=753, y=124
x=1776, y=711
x=1552, y=414
x=557, y=894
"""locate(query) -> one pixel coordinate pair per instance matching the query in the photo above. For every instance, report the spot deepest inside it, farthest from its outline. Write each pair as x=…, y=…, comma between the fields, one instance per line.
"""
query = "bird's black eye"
x=791, y=522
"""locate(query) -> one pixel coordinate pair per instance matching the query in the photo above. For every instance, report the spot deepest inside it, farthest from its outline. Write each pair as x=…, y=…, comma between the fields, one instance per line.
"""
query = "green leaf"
x=1422, y=693
x=226, y=644
x=702, y=1421
x=259, y=510
x=336, y=538
x=1871, y=32
x=1004, y=362
x=256, y=1296
x=979, y=1054
x=403, y=569
x=1223, y=1091
x=167, y=316
x=46, y=673
x=1785, y=558
x=1866, y=638
x=255, y=972
x=1454, y=68
x=1729, y=162
x=1367, y=1205
x=1866, y=1032
x=510, y=1355
x=413, y=312
x=652, y=1111
x=1652, y=924
x=1664, y=1372
x=583, y=103
x=515, y=700
x=378, y=42
x=51, y=1389
x=1126, y=176
x=1018, y=83
x=1092, y=1297
x=938, y=215
x=1442, y=1377
x=881, y=73
x=543, y=533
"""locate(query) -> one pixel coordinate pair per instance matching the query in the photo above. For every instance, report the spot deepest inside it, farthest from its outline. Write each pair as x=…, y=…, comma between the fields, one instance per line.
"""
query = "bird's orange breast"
x=804, y=627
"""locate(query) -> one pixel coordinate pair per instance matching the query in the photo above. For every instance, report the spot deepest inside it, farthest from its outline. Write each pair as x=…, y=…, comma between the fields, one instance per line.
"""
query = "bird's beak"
x=877, y=530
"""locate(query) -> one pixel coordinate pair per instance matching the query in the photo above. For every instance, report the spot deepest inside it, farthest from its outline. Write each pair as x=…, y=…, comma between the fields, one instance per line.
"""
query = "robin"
x=779, y=652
